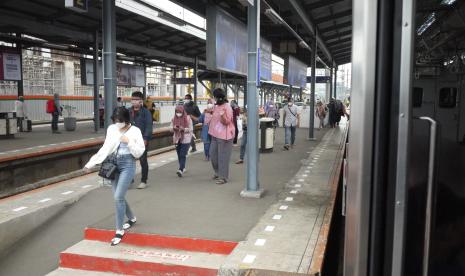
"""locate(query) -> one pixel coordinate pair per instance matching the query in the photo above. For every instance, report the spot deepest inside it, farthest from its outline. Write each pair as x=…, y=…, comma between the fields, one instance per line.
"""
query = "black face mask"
x=219, y=101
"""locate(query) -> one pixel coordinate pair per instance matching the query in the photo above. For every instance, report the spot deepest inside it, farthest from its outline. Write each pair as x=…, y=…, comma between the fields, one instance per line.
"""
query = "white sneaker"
x=142, y=185
x=184, y=171
x=179, y=173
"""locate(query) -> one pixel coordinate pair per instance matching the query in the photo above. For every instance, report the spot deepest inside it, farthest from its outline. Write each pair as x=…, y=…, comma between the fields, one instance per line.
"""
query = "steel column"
x=311, y=125
x=174, y=85
x=109, y=58
x=252, y=188
x=96, y=84
x=196, y=70
x=330, y=83
x=19, y=48
x=144, y=89
x=335, y=83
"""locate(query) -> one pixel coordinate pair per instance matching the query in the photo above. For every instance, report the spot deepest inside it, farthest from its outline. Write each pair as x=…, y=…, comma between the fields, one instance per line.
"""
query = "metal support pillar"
x=311, y=125
x=330, y=83
x=109, y=58
x=144, y=89
x=252, y=188
x=19, y=48
x=174, y=85
x=290, y=92
x=96, y=84
x=300, y=95
x=196, y=70
x=245, y=95
x=335, y=83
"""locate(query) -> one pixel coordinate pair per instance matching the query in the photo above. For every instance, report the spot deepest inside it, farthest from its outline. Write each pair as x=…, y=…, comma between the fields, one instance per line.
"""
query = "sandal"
x=117, y=239
x=129, y=224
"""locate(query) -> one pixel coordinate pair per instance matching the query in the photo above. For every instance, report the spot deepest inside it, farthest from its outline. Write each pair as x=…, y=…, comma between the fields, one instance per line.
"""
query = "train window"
x=448, y=97
x=417, y=96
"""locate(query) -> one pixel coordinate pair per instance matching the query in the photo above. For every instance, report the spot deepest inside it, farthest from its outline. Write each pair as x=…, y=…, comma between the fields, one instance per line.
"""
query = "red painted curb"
x=125, y=267
x=151, y=240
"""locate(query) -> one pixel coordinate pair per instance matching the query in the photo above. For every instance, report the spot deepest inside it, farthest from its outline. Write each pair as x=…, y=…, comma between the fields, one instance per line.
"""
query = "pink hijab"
x=181, y=122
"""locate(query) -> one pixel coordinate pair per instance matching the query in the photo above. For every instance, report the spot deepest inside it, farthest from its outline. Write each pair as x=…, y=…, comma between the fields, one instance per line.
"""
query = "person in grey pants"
x=222, y=132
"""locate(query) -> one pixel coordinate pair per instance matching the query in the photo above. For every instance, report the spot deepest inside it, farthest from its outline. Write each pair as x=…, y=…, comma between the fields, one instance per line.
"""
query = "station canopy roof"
x=332, y=20
x=149, y=35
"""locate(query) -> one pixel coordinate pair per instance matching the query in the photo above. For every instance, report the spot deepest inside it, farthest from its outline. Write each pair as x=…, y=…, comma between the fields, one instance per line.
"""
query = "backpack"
x=50, y=106
x=339, y=108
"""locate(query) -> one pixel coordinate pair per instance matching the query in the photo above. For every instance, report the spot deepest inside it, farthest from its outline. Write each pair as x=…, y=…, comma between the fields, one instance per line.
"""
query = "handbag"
x=109, y=167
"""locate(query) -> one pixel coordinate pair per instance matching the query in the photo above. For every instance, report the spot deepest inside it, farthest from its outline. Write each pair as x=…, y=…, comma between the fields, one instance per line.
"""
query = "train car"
x=406, y=156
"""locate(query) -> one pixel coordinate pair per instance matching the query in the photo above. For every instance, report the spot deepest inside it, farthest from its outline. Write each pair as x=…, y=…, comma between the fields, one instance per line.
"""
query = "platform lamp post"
x=311, y=125
x=252, y=188
x=196, y=70
x=109, y=58
x=335, y=82
x=330, y=82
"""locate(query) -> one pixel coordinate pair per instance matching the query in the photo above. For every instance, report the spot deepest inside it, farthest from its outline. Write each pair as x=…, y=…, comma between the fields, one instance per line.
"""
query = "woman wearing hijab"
x=222, y=132
x=183, y=131
x=126, y=143
x=272, y=113
x=205, y=119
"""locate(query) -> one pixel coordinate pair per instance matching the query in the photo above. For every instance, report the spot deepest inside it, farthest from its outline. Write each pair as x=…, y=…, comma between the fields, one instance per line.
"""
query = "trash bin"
x=266, y=135
x=8, y=124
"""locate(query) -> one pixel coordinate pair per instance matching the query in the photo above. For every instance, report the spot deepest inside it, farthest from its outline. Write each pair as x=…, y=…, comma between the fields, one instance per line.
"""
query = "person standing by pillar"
x=21, y=110
x=141, y=118
x=194, y=112
x=56, y=113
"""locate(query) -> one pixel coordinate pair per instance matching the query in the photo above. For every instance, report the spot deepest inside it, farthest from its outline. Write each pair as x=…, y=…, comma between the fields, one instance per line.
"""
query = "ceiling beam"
x=339, y=50
x=335, y=27
x=334, y=16
x=321, y=3
x=340, y=41
x=329, y=37
x=309, y=25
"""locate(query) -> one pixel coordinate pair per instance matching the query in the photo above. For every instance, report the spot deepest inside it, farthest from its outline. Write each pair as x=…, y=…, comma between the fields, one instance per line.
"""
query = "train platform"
x=185, y=225
x=41, y=139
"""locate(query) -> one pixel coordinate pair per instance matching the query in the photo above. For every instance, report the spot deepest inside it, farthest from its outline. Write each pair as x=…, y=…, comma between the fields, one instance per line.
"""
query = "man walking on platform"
x=194, y=112
x=291, y=120
x=141, y=118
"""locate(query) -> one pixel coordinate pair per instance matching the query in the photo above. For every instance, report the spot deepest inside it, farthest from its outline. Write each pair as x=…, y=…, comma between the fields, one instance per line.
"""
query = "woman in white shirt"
x=127, y=143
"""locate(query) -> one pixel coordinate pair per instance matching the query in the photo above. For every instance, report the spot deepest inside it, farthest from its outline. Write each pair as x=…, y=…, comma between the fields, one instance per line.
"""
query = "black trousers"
x=55, y=116
x=145, y=167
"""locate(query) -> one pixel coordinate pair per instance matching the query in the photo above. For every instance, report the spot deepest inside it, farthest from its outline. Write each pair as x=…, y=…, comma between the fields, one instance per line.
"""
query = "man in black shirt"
x=193, y=111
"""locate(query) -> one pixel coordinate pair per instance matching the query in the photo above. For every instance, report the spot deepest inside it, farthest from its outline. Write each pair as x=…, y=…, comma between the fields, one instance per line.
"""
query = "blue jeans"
x=127, y=169
x=289, y=135
x=206, y=149
x=243, y=144
x=181, y=150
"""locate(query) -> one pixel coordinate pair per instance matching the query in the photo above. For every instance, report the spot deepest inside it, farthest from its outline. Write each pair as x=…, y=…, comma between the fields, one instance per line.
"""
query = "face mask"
x=209, y=106
x=271, y=105
x=187, y=101
x=120, y=125
x=289, y=104
x=179, y=114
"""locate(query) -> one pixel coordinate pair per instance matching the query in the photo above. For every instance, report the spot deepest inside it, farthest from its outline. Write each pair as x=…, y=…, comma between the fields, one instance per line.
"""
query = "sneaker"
x=240, y=161
x=221, y=181
x=129, y=223
x=142, y=185
x=179, y=173
x=184, y=171
x=286, y=147
x=215, y=177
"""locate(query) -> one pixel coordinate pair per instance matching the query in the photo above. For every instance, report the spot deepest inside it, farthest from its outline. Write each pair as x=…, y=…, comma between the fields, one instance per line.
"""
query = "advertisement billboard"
x=295, y=72
x=10, y=66
x=126, y=74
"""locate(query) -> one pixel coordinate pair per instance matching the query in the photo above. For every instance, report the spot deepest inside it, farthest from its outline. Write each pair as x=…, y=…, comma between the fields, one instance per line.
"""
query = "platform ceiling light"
x=448, y=2
x=428, y=22
x=246, y=3
x=274, y=16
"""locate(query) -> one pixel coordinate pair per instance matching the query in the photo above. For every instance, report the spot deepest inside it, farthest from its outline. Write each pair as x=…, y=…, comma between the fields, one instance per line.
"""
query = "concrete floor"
x=192, y=206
